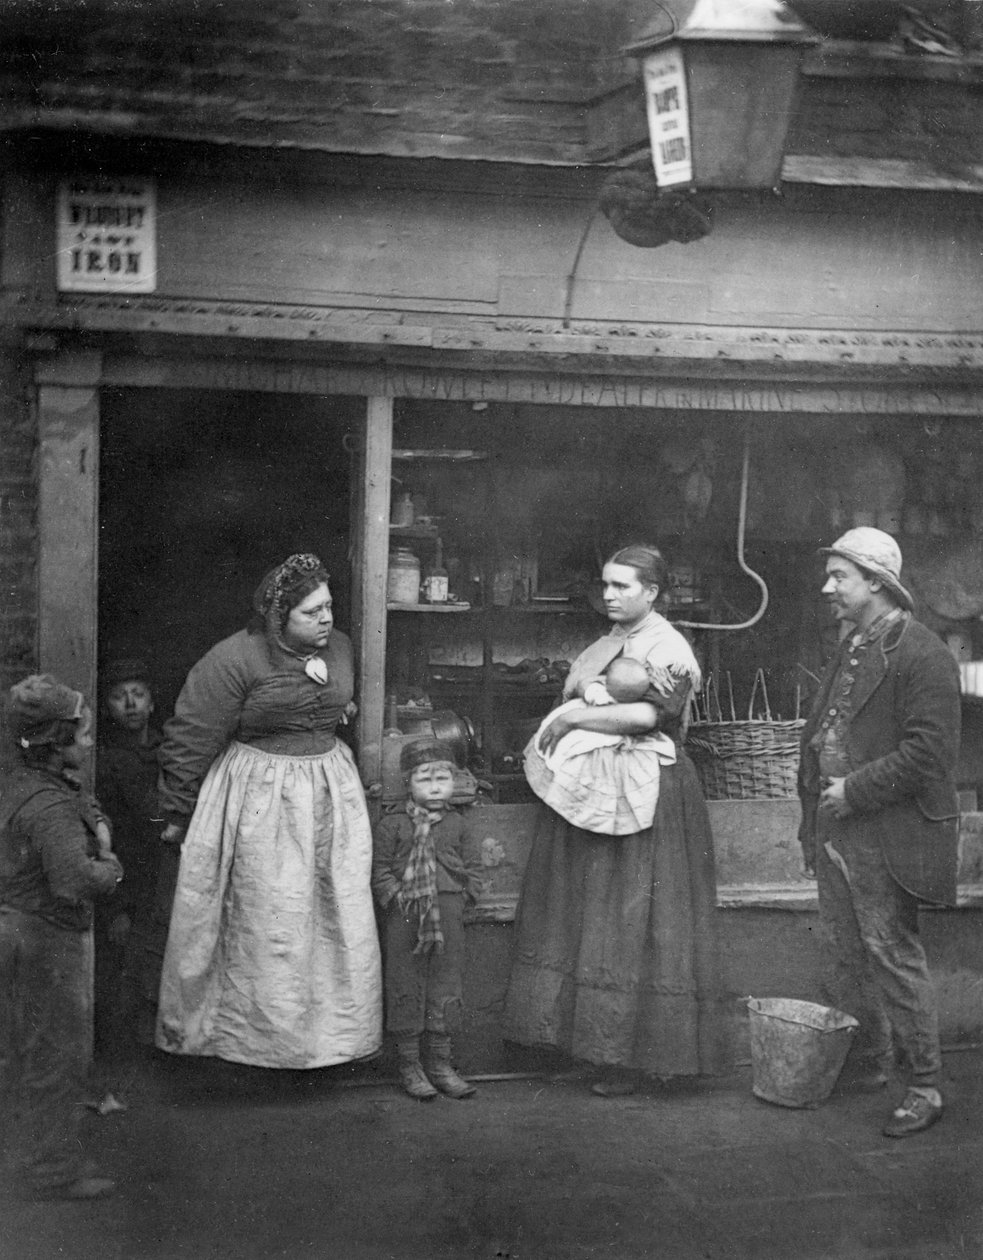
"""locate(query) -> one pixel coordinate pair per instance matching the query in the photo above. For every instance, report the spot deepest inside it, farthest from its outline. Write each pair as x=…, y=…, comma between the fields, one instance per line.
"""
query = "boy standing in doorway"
x=126, y=786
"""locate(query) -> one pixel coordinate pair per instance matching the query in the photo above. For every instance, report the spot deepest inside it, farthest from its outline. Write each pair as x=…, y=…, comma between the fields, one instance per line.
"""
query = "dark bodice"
x=285, y=711
x=249, y=689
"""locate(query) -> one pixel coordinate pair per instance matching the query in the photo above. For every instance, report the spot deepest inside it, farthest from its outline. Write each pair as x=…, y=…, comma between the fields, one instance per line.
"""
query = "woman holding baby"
x=616, y=957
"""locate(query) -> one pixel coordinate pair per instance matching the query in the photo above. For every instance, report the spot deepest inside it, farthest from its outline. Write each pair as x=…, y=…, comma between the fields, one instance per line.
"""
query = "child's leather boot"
x=411, y=1075
x=441, y=1070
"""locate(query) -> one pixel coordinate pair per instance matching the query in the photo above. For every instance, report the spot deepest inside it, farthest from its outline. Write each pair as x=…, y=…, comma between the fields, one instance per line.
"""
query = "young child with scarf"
x=421, y=879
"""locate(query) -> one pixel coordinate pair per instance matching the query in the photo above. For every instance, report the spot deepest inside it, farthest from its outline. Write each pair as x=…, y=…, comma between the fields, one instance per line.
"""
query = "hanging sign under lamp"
x=720, y=81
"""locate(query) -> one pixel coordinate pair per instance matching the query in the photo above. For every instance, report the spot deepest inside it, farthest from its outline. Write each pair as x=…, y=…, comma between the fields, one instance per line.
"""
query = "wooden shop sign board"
x=289, y=377
x=106, y=234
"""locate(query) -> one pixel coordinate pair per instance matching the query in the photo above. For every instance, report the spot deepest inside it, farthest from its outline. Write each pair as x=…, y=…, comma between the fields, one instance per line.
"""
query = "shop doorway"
x=200, y=493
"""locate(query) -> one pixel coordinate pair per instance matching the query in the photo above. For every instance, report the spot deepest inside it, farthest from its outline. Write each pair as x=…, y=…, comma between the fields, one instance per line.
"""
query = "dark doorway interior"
x=200, y=493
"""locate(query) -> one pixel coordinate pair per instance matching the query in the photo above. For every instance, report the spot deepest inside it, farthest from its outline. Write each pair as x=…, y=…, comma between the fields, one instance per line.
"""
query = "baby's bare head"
x=626, y=680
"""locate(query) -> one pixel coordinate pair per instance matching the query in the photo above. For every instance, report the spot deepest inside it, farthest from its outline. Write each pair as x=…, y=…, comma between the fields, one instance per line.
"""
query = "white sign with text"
x=107, y=234
x=668, y=117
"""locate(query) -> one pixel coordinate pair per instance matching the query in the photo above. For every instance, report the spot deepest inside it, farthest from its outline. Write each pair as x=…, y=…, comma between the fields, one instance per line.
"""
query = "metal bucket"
x=797, y=1050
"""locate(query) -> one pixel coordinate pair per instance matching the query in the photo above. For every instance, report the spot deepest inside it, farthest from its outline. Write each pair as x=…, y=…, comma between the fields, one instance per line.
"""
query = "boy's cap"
x=126, y=669
x=40, y=700
x=424, y=751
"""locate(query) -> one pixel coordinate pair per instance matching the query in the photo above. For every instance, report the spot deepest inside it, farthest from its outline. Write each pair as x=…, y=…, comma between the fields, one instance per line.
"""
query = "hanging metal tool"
x=755, y=577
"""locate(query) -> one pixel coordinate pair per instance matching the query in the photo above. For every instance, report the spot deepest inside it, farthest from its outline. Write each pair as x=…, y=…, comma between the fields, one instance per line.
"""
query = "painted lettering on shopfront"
x=106, y=231
x=588, y=391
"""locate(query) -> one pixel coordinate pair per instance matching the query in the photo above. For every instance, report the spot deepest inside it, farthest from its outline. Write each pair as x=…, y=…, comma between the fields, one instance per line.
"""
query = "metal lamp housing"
x=722, y=85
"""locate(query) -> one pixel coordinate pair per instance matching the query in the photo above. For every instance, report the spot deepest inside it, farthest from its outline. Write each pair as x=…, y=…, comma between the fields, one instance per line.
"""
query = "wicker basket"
x=753, y=760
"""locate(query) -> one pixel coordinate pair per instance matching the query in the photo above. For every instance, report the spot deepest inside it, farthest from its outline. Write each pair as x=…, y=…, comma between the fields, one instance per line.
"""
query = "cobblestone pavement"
x=219, y=1162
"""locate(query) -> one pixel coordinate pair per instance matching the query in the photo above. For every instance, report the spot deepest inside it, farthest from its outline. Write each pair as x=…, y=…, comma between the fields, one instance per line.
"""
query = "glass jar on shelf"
x=436, y=581
x=403, y=580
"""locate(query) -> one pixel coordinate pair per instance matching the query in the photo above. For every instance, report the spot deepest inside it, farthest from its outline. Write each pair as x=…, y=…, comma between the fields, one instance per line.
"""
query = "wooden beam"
x=370, y=564
x=68, y=522
x=587, y=346
x=863, y=172
x=876, y=59
x=959, y=395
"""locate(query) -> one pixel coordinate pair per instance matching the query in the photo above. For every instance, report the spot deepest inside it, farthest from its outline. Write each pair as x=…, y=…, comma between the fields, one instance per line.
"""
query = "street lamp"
x=720, y=80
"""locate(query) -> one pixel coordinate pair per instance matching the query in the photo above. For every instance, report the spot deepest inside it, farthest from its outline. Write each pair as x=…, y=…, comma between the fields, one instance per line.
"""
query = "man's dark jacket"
x=902, y=746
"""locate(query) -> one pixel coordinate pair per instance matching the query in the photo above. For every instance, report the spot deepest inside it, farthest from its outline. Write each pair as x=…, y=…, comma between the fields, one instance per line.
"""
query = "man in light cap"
x=880, y=813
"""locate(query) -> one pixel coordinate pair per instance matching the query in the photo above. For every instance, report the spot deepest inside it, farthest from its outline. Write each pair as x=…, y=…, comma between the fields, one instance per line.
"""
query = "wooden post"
x=68, y=519
x=371, y=559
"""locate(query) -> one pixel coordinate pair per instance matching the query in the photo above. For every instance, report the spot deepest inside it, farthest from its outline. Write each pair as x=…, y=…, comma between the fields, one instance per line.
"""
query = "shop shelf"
x=538, y=610
x=499, y=694
x=419, y=532
x=429, y=608
x=440, y=453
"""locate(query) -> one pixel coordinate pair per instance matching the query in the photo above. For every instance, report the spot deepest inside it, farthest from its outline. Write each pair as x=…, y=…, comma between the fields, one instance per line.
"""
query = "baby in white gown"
x=625, y=681
x=605, y=783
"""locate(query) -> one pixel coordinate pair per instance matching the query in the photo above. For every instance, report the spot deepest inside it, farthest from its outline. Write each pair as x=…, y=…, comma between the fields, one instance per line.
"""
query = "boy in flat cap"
x=421, y=880
x=880, y=813
x=55, y=859
x=127, y=767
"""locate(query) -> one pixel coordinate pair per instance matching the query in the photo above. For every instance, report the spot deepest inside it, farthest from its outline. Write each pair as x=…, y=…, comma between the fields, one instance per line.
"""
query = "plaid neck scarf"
x=418, y=893
x=877, y=629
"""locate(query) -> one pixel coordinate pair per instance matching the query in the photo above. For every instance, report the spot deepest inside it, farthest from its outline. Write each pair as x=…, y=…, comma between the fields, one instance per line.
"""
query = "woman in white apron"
x=272, y=956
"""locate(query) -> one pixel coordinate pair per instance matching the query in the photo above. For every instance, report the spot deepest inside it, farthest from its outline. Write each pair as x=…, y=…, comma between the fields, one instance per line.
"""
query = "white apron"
x=272, y=956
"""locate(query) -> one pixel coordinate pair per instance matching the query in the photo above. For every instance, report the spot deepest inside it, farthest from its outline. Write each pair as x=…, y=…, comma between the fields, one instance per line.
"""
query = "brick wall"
x=408, y=77
x=18, y=537
x=941, y=123
x=491, y=79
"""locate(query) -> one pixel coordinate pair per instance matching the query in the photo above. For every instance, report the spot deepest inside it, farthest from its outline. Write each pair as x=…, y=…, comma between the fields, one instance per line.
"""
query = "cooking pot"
x=456, y=731
x=444, y=725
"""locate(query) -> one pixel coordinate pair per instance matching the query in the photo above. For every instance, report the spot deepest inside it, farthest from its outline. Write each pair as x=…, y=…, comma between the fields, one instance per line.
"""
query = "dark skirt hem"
x=616, y=960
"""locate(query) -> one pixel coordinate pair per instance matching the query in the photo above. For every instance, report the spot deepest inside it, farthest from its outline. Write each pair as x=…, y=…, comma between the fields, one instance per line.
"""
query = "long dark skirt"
x=616, y=957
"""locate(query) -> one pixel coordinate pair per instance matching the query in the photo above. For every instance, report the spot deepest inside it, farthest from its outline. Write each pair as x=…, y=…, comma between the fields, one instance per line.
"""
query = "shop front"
x=415, y=386
x=210, y=467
